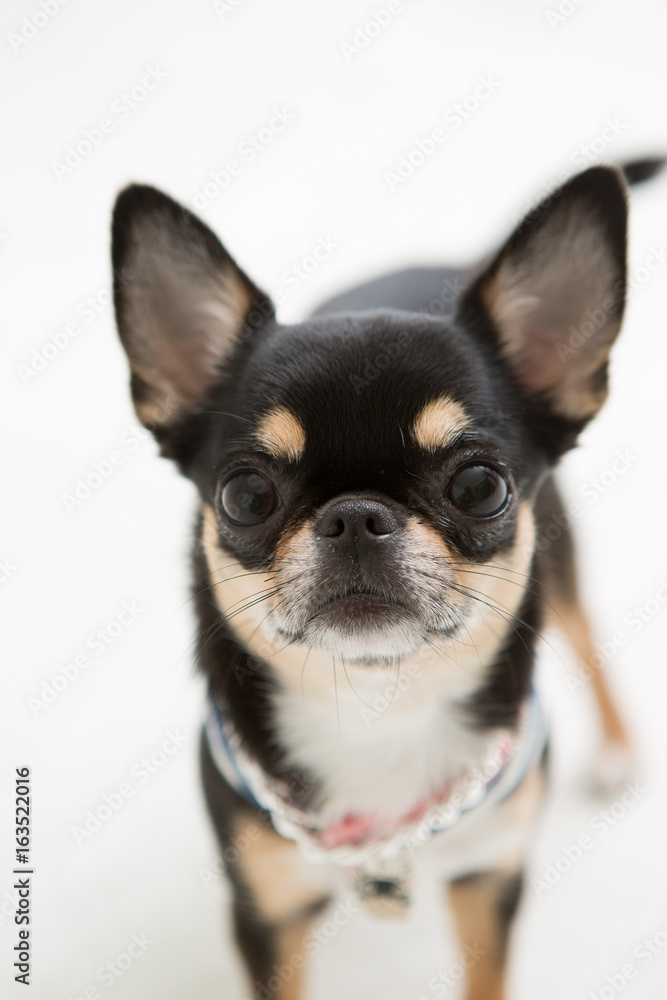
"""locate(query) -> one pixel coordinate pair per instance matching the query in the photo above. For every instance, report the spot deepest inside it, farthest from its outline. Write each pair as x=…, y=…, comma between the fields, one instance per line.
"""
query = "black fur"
x=497, y=702
x=508, y=904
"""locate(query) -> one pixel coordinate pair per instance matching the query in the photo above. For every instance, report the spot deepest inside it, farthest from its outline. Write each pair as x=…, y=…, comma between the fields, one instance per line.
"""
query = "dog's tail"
x=638, y=171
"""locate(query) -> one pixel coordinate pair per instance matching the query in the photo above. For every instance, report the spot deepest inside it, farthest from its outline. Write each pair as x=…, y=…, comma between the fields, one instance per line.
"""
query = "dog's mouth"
x=364, y=625
x=359, y=601
x=358, y=611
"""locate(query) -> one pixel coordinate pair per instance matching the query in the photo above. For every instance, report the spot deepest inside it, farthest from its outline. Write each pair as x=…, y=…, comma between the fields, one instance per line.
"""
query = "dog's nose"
x=357, y=519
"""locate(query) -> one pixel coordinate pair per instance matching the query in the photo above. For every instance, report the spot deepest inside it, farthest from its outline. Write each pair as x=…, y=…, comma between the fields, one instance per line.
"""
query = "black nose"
x=358, y=518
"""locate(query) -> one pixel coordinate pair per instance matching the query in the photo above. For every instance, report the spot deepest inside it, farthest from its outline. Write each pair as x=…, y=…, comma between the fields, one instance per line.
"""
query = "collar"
x=356, y=839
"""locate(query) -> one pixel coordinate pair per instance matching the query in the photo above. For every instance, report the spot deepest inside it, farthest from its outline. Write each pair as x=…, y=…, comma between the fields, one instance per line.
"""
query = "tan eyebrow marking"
x=439, y=423
x=281, y=434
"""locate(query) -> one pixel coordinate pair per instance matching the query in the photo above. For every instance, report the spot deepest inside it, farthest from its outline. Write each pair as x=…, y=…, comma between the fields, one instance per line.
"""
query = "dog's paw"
x=613, y=767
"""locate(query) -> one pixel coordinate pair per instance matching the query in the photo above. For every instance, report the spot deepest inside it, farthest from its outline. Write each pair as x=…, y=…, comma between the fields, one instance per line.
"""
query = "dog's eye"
x=248, y=498
x=479, y=490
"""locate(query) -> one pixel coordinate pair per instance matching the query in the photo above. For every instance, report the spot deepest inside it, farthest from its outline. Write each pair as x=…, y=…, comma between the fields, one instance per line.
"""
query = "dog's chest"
x=376, y=743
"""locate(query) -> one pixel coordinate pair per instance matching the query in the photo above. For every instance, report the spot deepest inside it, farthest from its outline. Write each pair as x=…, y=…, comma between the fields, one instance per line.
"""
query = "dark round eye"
x=479, y=490
x=248, y=498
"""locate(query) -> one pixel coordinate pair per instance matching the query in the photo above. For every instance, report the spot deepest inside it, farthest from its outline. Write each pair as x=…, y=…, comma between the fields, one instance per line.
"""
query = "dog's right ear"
x=182, y=304
x=555, y=295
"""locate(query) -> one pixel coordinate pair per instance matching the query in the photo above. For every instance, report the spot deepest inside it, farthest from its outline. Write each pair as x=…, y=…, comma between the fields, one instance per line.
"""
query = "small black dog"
x=367, y=579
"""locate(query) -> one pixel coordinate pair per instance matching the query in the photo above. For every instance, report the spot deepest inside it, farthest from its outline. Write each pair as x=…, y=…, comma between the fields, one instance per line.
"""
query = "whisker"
x=333, y=659
x=303, y=669
x=443, y=654
x=223, y=413
x=396, y=683
x=352, y=687
x=515, y=623
x=250, y=604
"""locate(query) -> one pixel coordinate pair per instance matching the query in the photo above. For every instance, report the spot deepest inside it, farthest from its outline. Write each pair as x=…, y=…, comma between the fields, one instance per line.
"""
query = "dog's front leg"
x=484, y=906
x=276, y=894
x=274, y=905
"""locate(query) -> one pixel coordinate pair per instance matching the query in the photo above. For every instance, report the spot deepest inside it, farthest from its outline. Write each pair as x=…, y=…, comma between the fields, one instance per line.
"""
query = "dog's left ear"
x=556, y=292
x=182, y=305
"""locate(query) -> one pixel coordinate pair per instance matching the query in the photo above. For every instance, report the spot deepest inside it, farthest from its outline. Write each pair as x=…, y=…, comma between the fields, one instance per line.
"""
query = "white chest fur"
x=380, y=739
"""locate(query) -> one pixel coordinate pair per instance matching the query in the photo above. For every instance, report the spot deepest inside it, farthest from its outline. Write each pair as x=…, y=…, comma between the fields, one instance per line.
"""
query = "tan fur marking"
x=474, y=907
x=281, y=882
x=233, y=588
x=281, y=434
x=290, y=955
x=150, y=414
x=508, y=306
x=439, y=424
x=501, y=583
x=521, y=807
x=570, y=617
x=423, y=538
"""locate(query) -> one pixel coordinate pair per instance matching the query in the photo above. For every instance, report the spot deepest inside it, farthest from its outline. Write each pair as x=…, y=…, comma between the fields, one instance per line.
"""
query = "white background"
x=556, y=86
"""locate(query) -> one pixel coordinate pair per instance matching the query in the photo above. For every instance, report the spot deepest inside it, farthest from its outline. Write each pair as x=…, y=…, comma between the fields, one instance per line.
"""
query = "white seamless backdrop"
x=292, y=127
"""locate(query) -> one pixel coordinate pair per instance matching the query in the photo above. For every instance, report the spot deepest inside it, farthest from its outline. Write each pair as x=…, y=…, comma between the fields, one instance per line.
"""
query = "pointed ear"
x=182, y=304
x=556, y=292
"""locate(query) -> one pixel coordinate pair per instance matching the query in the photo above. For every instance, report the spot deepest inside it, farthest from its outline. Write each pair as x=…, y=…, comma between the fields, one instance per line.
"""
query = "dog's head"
x=367, y=479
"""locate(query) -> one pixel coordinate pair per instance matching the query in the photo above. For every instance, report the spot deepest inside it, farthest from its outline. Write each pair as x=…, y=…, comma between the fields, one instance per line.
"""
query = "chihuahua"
x=372, y=568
